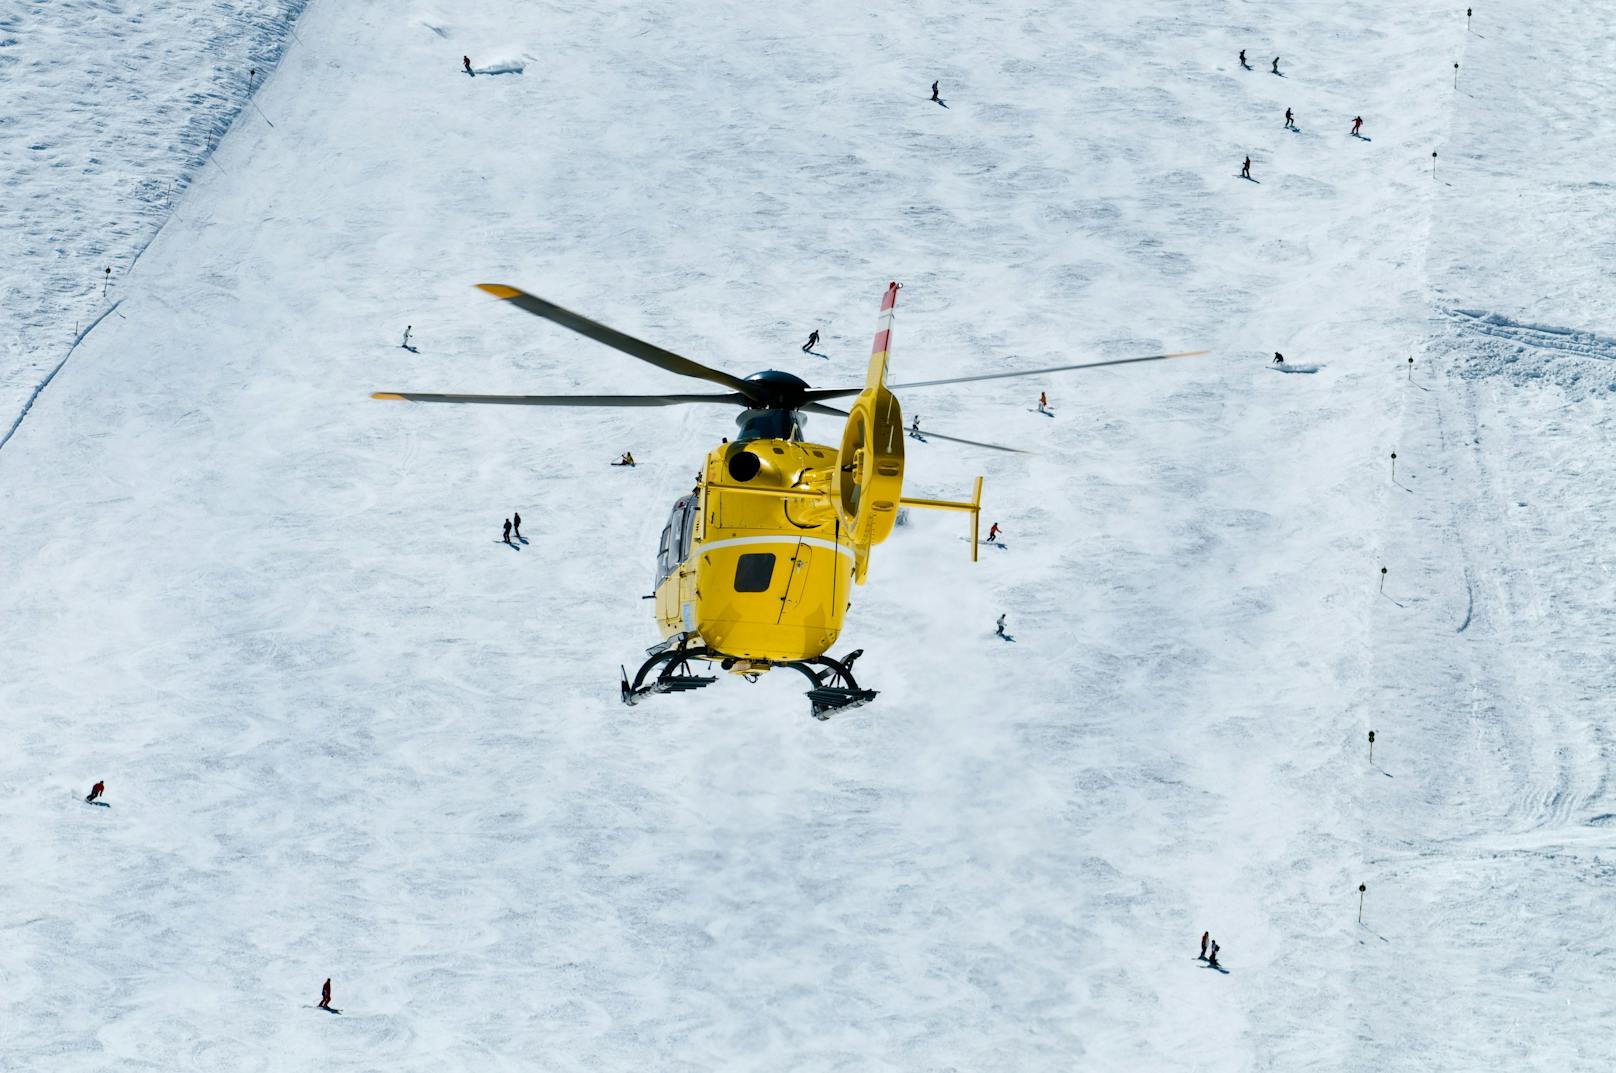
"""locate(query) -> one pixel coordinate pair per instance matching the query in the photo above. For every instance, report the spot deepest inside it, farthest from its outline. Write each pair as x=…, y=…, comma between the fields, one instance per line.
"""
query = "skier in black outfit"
x=1279, y=359
x=507, y=530
x=516, y=527
x=1289, y=120
x=1243, y=62
x=934, y=91
x=1205, y=935
x=813, y=341
x=1212, y=958
x=465, y=61
x=1276, y=65
x=1245, y=169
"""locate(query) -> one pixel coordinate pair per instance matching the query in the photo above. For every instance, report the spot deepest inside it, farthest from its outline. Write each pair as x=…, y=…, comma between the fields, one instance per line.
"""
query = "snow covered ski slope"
x=345, y=733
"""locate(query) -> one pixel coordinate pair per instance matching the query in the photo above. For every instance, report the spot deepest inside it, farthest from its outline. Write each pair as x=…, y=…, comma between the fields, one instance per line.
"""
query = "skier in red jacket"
x=96, y=791
x=1357, y=122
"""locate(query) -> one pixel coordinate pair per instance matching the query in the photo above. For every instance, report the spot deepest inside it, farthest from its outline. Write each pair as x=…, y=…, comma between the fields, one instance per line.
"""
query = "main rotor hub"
x=778, y=390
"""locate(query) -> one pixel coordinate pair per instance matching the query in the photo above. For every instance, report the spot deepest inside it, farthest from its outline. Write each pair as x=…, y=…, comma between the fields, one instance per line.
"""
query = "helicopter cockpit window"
x=754, y=572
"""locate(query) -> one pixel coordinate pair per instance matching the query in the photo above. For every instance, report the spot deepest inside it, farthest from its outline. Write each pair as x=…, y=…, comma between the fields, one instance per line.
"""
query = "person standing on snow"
x=1043, y=402
x=516, y=526
x=1000, y=630
x=1276, y=65
x=1245, y=169
x=1289, y=121
x=993, y=532
x=96, y=791
x=1357, y=124
x=507, y=530
x=1212, y=959
x=914, y=428
x=325, y=995
x=465, y=61
x=1205, y=935
x=934, y=92
x=813, y=341
x=1279, y=359
x=1243, y=62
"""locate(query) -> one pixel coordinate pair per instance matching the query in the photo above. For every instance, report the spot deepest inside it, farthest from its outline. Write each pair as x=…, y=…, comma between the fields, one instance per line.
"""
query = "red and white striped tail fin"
x=883, y=339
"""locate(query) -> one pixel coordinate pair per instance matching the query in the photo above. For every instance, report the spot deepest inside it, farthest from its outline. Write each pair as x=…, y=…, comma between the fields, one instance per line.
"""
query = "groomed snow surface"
x=347, y=733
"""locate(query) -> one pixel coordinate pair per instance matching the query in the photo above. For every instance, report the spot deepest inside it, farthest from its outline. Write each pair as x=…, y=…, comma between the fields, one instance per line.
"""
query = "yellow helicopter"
x=756, y=565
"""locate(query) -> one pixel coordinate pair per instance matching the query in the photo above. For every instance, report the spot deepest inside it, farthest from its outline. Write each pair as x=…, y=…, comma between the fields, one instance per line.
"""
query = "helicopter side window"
x=685, y=531
x=754, y=572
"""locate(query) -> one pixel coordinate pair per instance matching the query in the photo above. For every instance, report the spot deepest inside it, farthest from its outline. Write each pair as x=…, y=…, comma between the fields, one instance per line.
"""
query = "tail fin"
x=877, y=375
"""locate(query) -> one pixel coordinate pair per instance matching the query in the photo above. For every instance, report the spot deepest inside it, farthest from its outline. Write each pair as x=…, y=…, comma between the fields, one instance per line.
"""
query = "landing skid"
x=833, y=687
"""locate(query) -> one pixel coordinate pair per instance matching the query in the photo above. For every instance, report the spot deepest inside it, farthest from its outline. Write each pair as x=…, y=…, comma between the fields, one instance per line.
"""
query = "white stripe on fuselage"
x=818, y=542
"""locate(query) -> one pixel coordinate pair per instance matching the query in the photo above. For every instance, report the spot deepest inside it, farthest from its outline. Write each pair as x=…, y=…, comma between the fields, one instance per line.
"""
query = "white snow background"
x=346, y=733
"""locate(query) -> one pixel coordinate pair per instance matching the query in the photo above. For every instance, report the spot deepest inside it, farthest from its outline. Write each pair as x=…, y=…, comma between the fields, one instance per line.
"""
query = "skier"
x=1043, y=403
x=465, y=61
x=516, y=527
x=1289, y=121
x=325, y=995
x=96, y=791
x=1243, y=62
x=993, y=532
x=1000, y=630
x=1357, y=122
x=1245, y=169
x=1212, y=959
x=813, y=341
x=406, y=343
x=934, y=93
x=914, y=428
x=1279, y=359
x=1276, y=65
x=1205, y=935
x=507, y=530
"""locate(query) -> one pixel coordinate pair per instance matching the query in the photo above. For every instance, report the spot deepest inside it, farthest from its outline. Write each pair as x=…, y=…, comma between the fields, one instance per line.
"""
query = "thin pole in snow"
x=1394, y=481
x=106, y=281
x=1371, y=760
x=1433, y=163
x=1455, y=76
x=1411, y=369
x=1383, y=579
x=1361, y=889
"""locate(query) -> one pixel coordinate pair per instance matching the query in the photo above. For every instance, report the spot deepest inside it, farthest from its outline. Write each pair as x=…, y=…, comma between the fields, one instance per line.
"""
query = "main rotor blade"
x=562, y=400
x=839, y=393
x=600, y=333
x=831, y=411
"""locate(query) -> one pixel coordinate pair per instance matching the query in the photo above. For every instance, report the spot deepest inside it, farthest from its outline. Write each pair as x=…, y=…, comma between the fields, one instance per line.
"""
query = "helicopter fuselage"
x=755, y=564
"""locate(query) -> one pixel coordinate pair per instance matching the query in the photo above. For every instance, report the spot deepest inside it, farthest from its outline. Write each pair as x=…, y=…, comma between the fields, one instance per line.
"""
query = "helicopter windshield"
x=769, y=425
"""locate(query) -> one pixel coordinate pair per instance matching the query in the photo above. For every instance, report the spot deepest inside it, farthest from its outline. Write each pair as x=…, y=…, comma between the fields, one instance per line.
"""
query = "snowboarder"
x=1357, y=123
x=993, y=533
x=813, y=341
x=1245, y=169
x=914, y=428
x=934, y=93
x=1243, y=62
x=1000, y=630
x=507, y=530
x=1043, y=403
x=406, y=343
x=465, y=61
x=1276, y=65
x=516, y=526
x=1205, y=935
x=1212, y=958
x=96, y=791
x=325, y=995
x=626, y=460
x=1290, y=122
x=1279, y=359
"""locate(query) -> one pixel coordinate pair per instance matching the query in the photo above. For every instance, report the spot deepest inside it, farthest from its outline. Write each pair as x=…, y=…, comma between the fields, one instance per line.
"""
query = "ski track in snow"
x=343, y=737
